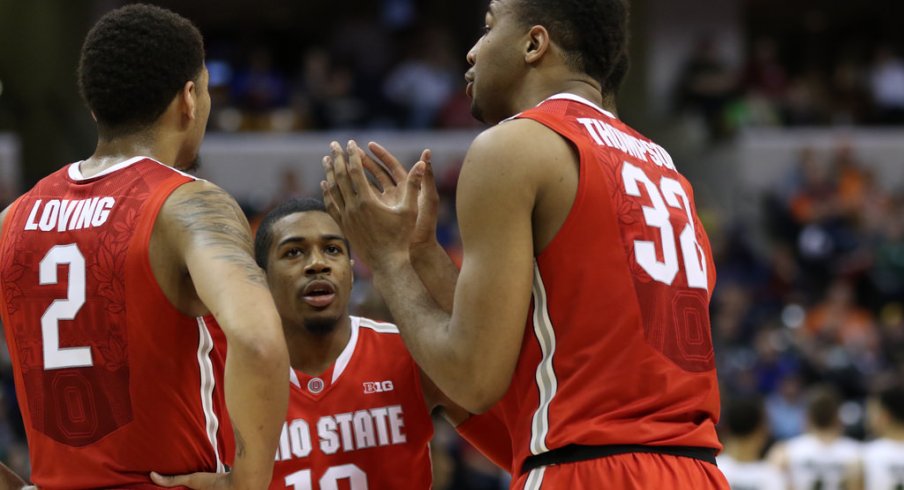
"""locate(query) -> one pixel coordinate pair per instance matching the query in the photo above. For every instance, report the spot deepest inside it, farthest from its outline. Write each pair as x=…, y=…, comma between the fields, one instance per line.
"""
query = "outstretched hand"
x=380, y=223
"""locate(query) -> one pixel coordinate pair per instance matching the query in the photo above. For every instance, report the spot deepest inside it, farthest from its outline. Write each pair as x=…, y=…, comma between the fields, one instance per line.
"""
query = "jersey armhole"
x=583, y=157
x=141, y=241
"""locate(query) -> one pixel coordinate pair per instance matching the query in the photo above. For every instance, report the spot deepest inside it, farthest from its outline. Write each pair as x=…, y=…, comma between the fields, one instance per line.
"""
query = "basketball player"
x=110, y=268
x=582, y=228
x=359, y=407
x=822, y=457
x=745, y=439
x=883, y=458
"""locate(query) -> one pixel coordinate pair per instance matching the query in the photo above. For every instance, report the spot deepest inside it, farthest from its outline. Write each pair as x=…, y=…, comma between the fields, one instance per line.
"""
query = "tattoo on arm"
x=214, y=220
x=239, y=442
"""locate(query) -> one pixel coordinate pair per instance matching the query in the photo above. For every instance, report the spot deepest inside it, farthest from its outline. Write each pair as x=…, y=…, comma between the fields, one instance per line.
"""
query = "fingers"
x=395, y=169
x=360, y=185
x=171, y=481
x=378, y=171
x=329, y=187
x=413, y=187
x=338, y=161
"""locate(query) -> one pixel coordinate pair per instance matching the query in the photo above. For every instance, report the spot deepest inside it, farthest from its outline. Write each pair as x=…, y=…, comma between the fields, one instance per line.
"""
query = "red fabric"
x=488, y=434
x=371, y=423
x=138, y=406
x=629, y=472
x=632, y=359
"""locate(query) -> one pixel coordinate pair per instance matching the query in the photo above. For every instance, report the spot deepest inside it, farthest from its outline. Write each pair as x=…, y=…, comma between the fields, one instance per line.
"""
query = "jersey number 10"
x=357, y=479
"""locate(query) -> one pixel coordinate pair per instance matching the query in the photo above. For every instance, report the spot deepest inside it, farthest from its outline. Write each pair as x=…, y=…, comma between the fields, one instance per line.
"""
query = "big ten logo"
x=377, y=386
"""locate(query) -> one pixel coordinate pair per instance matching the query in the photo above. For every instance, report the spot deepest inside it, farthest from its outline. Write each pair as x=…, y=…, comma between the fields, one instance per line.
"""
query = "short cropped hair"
x=263, y=240
x=824, y=401
x=133, y=62
x=743, y=416
x=593, y=34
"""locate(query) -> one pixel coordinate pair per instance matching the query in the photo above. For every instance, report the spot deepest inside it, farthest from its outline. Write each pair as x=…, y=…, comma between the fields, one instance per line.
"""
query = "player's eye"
x=333, y=250
x=293, y=252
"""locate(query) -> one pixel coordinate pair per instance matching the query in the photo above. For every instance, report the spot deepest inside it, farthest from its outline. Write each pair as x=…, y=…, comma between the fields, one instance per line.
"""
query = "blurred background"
x=786, y=116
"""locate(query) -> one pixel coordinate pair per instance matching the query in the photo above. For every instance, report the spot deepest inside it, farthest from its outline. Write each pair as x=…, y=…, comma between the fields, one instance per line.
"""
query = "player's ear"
x=537, y=44
x=188, y=100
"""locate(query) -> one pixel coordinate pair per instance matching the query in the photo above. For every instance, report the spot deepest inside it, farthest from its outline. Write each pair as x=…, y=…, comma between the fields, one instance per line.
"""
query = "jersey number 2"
x=669, y=193
x=357, y=479
x=63, y=309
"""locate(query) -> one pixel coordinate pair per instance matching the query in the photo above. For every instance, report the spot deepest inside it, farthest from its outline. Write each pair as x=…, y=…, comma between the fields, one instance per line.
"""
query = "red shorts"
x=640, y=471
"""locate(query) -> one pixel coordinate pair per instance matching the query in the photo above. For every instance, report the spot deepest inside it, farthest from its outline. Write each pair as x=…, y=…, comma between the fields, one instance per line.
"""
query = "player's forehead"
x=306, y=226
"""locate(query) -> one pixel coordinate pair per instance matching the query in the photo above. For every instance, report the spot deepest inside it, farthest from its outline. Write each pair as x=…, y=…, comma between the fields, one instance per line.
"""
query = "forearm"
x=426, y=329
x=437, y=272
x=9, y=480
x=257, y=382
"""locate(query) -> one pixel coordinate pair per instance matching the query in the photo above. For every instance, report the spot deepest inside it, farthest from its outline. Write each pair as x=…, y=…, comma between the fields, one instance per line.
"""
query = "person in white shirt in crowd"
x=821, y=458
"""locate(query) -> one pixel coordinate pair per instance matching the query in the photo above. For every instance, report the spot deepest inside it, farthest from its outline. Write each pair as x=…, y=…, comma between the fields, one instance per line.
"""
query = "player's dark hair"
x=823, y=406
x=133, y=62
x=264, y=237
x=593, y=34
x=743, y=416
x=892, y=401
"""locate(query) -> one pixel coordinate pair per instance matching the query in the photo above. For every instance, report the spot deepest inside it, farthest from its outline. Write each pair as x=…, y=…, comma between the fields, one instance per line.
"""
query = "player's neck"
x=109, y=152
x=744, y=450
x=313, y=353
x=827, y=435
x=894, y=433
x=577, y=85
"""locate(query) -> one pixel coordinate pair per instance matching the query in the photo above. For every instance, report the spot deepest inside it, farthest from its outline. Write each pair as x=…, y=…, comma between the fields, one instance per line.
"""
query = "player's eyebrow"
x=326, y=238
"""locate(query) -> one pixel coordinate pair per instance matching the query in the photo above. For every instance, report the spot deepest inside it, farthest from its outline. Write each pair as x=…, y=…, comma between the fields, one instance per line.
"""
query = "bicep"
x=492, y=296
x=214, y=241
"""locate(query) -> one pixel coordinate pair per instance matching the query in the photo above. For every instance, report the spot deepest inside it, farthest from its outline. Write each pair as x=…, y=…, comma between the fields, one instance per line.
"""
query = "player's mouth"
x=319, y=294
x=469, y=89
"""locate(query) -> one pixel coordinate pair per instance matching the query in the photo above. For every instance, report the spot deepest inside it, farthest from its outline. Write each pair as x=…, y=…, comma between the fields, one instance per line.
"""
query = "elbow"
x=480, y=397
x=265, y=353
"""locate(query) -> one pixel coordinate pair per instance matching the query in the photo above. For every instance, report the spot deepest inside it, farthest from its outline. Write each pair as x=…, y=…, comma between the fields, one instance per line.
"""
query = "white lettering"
x=30, y=223
x=49, y=216
x=345, y=429
x=300, y=437
x=364, y=430
x=379, y=415
x=66, y=215
x=396, y=422
x=604, y=134
x=103, y=211
x=329, y=439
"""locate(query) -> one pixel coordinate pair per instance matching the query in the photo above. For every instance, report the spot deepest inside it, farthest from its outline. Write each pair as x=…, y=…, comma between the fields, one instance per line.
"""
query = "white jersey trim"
x=381, y=327
x=75, y=173
x=578, y=98
x=205, y=346
x=346, y=355
x=567, y=96
x=293, y=378
x=547, y=384
x=535, y=479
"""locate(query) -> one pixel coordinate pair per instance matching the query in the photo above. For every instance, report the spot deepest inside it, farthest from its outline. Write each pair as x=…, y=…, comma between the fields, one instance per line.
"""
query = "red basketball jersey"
x=363, y=424
x=112, y=381
x=617, y=348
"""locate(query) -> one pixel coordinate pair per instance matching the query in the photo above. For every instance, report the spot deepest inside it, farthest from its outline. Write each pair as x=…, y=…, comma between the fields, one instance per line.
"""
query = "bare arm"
x=481, y=339
x=8, y=479
x=213, y=239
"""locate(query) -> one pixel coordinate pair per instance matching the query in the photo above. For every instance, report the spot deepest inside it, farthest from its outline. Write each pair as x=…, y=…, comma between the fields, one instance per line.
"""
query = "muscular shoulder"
x=517, y=156
x=201, y=210
x=519, y=145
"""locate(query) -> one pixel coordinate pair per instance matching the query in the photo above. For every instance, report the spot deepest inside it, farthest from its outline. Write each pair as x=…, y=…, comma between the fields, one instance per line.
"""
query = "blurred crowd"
x=824, y=303
x=370, y=77
x=861, y=85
